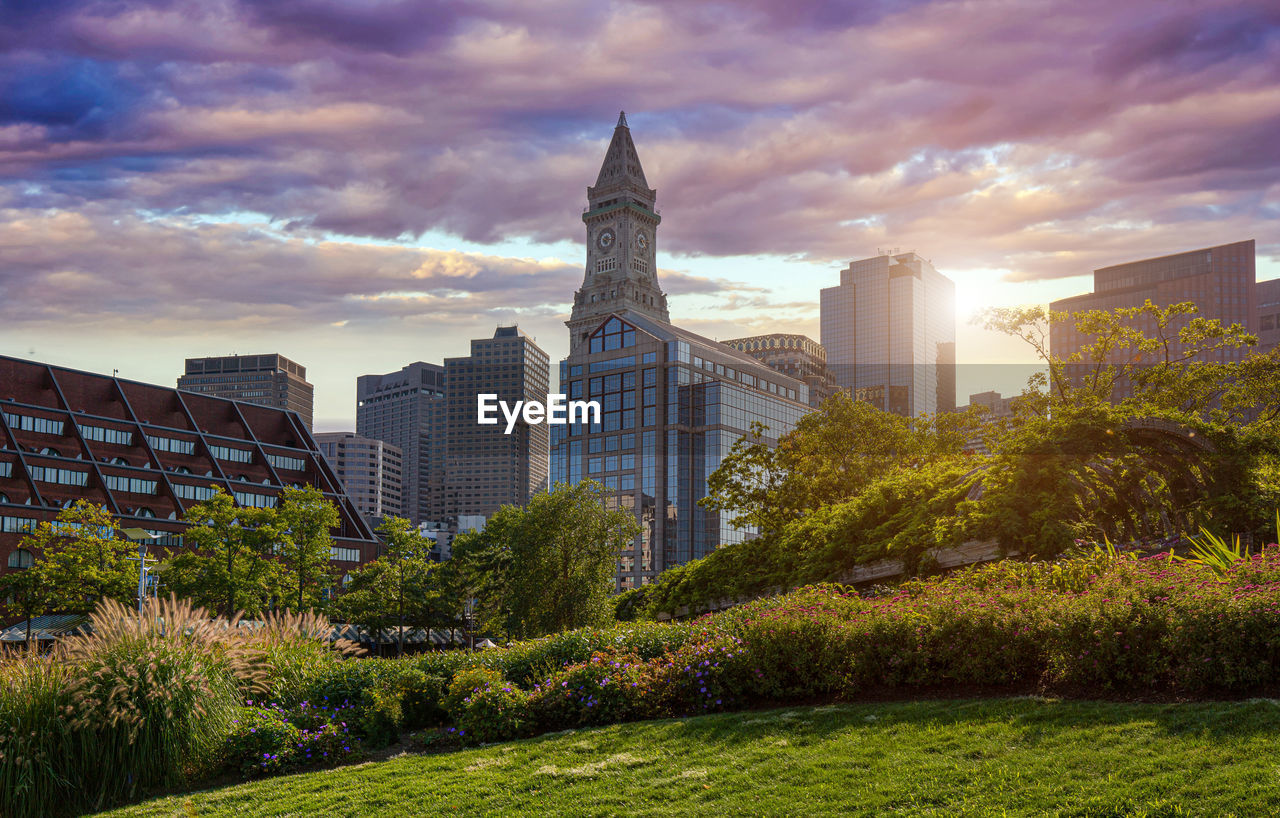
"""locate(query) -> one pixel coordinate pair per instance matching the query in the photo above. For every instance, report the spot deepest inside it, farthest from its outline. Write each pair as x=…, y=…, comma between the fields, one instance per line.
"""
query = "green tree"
x=550, y=566
x=395, y=590
x=232, y=565
x=303, y=520
x=831, y=455
x=81, y=560
x=24, y=594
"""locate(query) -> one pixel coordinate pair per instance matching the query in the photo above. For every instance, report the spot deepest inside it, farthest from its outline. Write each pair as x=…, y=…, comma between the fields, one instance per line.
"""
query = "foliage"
x=295, y=648
x=81, y=560
x=267, y=739
x=395, y=591
x=549, y=566
x=302, y=522
x=231, y=567
x=1215, y=553
x=486, y=707
x=833, y=454
x=141, y=702
x=606, y=689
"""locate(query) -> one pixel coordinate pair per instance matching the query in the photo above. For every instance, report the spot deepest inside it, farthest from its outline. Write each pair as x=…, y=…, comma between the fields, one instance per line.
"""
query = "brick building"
x=147, y=453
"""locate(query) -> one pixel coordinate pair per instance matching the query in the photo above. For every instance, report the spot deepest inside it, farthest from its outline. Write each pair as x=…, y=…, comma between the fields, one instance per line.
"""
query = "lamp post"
x=140, y=536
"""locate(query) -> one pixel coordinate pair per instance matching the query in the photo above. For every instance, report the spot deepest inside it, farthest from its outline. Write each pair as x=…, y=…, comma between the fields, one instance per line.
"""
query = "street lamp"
x=141, y=536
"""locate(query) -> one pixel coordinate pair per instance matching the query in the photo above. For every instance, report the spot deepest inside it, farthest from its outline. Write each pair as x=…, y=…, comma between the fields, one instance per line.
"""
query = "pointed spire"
x=621, y=163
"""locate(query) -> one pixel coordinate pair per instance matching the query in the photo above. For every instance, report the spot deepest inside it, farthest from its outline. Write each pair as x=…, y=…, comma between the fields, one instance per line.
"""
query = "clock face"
x=642, y=240
x=605, y=239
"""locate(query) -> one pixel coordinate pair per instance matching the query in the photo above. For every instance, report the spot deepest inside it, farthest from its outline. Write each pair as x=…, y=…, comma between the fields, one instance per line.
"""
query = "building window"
x=66, y=477
x=232, y=454
x=282, y=462
x=21, y=559
x=28, y=423
x=169, y=444
x=193, y=492
x=105, y=435
x=251, y=500
x=133, y=485
x=344, y=554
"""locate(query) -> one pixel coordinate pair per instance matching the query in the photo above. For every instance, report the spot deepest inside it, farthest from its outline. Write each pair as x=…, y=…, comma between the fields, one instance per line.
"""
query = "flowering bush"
x=386, y=695
x=485, y=707
x=606, y=689
x=704, y=677
x=267, y=739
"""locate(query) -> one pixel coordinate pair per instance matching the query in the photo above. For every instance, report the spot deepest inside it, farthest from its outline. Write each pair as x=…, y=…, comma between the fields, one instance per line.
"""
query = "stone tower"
x=622, y=233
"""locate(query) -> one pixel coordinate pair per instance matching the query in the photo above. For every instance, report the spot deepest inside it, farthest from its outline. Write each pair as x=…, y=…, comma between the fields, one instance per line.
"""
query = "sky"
x=358, y=185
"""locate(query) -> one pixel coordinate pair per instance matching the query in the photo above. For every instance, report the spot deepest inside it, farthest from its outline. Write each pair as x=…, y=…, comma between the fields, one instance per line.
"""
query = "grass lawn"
x=971, y=757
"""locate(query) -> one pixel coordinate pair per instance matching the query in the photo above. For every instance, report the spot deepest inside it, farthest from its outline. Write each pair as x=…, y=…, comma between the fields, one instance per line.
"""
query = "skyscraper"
x=1268, y=294
x=264, y=380
x=370, y=471
x=673, y=403
x=406, y=409
x=889, y=329
x=1219, y=280
x=484, y=467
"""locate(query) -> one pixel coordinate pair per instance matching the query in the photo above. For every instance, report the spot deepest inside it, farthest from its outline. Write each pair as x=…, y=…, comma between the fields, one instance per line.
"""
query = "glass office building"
x=889, y=329
x=672, y=406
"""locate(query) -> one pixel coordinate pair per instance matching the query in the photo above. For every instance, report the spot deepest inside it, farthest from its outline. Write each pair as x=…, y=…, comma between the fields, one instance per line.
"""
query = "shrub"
x=142, y=702
x=41, y=759
x=387, y=696
x=268, y=739
x=486, y=707
x=703, y=677
x=296, y=649
x=606, y=689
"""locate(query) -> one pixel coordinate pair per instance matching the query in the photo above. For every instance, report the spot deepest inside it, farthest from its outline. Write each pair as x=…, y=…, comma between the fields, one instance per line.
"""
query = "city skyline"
x=360, y=190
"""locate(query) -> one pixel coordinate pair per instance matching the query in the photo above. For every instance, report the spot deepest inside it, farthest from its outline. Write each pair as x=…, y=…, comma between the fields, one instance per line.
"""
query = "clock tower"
x=622, y=233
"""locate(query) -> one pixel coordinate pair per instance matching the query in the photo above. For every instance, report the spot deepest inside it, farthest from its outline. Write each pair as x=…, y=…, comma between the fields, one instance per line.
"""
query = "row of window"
x=134, y=485
x=65, y=477
x=105, y=435
x=187, y=492
x=232, y=454
x=171, y=444
x=30, y=423
x=250, y=500
x=284, y=462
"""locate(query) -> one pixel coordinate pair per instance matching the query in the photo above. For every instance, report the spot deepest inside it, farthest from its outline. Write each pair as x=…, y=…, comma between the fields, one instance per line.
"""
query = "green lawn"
x=986, y=757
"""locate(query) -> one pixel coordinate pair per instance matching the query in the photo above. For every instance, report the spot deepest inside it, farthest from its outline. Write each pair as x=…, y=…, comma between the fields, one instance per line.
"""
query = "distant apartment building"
x=796, y=356
x=890, y=335
x=1218, y=280
x=1268, y=327
x=263, y=380
x=997, y=405
x=406, y=409
x=484, y=467
x=148, y=453
x=370, y=470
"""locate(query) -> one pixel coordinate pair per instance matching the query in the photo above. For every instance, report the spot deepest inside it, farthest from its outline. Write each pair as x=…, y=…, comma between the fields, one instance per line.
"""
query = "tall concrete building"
x=484, y=467
x=796, y=356
x=673, y=403
x=889, y=330
x=406, y=408
x=263, y=380
x=1268, y=327
x=370, y=471
x=1219, y=280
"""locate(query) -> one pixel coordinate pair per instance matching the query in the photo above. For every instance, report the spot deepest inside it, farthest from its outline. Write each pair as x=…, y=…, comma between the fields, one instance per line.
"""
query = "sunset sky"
x=359, y=185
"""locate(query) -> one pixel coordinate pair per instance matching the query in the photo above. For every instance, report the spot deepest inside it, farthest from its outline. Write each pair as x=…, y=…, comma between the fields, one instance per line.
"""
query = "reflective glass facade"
x=890, y=334
x=672, y=405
